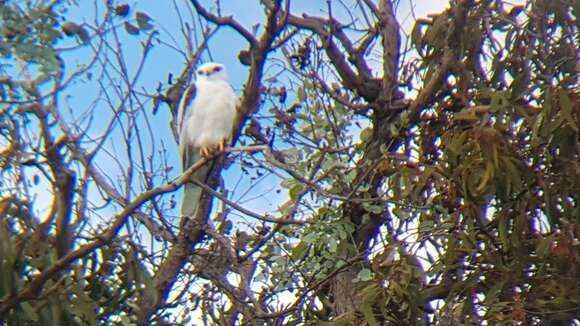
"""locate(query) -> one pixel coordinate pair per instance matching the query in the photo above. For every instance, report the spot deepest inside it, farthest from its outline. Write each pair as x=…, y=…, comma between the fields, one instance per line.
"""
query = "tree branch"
x=192, y=230
x=225, y=21
x=33, y=289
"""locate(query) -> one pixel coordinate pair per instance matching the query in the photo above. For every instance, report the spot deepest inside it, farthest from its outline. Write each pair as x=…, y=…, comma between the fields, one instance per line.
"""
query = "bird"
x=205, y=121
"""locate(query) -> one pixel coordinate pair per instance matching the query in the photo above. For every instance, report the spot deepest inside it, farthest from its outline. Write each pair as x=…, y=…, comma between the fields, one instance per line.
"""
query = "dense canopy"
x=379, y=175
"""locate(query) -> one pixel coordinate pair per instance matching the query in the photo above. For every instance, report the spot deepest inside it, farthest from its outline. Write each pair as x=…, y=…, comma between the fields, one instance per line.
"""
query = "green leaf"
x=310, y=238
x=332, y=247
x=351, y=175
x=122, y=10
x=394, y=130
x=367, y=310
x=300, y=94
x=543, y=247
x=143, y=21
x=493, y=292
x=131, y=29
x=83, y=35
x=466, y=115
x=287, y=183
x=503, y=232
x=566, y=106
x=373, y=208
x=29, y=311
x=417, y=37
x=70, y=28
x=364, y=275
x=299, y=251
x=426, y=225
x=296, y=191
x=366, y=134
x=487, y=176
x=521, y=83
x=330, y=163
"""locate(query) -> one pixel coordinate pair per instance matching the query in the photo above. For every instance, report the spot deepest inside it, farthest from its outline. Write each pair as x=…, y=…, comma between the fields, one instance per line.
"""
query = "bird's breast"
x=212, y=114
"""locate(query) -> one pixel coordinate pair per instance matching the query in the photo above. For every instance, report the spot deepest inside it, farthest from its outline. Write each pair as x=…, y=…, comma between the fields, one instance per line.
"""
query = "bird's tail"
x=191, y=198
x=191, y=192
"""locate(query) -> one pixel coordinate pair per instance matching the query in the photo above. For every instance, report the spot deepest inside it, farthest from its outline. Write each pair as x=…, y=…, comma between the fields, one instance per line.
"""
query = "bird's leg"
x=221, y=145
x=205, y=151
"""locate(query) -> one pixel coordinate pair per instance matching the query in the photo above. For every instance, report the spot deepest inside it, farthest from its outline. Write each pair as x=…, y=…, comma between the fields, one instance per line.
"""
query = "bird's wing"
x=185, y=105
x=189, y=154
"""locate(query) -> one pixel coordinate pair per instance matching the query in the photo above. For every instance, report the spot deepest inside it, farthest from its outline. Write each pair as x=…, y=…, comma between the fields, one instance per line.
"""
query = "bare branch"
x=35, y=286
x=226, y=21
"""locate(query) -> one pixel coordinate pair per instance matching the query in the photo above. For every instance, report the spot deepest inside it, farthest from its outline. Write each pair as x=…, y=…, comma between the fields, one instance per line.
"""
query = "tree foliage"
x=428, y=178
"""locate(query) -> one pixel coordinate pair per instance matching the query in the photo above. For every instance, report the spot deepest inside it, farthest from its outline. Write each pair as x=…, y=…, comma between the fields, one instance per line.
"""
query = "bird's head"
x=211, y=71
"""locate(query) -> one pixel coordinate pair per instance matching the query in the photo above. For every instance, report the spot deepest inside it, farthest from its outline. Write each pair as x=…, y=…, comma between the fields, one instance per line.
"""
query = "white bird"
x=205, y=119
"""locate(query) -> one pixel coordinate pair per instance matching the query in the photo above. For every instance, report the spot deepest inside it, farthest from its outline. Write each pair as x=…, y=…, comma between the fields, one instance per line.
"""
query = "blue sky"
x=223, y=47
x=83, y=95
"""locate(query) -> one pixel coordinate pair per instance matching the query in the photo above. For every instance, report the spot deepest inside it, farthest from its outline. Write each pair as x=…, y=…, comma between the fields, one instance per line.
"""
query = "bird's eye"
x=200, y=72
x=217, y=68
